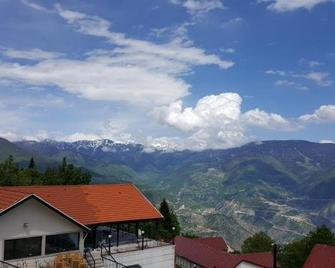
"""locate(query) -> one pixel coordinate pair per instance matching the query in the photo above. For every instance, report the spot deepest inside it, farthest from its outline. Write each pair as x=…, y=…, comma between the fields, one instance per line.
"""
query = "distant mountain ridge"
x=282, y=187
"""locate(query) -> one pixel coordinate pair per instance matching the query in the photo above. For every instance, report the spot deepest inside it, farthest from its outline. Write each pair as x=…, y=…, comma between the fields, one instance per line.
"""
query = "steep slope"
x=8, y=148
x=282, y=187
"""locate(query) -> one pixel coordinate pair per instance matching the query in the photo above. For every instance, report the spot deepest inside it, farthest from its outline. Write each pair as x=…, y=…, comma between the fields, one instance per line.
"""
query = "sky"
x=172, y=74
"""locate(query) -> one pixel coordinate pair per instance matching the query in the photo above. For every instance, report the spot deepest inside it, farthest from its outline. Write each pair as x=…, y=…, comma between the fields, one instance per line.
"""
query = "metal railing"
x=109, y=257
x=89, y=258
x=4, y=264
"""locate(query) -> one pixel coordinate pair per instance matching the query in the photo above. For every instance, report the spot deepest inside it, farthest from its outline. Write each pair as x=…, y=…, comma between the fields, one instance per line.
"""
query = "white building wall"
x=247, y=265
x=160, y=257
x=40, y=221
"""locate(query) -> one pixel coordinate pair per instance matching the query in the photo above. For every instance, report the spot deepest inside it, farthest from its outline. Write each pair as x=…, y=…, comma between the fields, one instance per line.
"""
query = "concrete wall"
x=40, y=221
x=160, y=257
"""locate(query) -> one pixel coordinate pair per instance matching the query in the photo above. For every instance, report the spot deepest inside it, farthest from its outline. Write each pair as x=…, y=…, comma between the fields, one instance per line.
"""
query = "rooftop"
x=214, y=242
x=213, y=257
x=88, y=204
x=321, y=256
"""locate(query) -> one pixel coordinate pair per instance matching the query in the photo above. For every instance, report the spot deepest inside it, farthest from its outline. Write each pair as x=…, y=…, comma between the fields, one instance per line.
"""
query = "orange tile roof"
x=88, y=204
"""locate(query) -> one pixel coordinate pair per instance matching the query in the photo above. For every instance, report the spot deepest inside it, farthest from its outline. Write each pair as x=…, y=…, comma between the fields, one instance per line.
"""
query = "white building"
x=101, y=222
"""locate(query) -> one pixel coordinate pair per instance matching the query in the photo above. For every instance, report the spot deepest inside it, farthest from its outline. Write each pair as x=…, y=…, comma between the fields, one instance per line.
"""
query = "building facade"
x=100, y=222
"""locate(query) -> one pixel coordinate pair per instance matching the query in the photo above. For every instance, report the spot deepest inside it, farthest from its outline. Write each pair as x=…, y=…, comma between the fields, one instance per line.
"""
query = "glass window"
x=22, y=248
x=61, y=242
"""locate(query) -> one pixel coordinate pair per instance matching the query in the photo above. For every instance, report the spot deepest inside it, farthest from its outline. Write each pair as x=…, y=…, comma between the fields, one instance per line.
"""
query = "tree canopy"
x=12, y=174
x=294, y=254
x=167, y=228
x=259, y=242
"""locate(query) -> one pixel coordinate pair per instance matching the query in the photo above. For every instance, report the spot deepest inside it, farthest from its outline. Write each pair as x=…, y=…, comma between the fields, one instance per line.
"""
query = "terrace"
x=101, y=222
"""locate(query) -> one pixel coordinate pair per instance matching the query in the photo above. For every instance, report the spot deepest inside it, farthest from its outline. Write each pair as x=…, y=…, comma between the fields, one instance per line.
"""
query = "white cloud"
x=321, y=78
x=199, y=7
x=175, y=50
x=108, y=130
x=325, y=113
x=228, y=50
x=155, y=69
x=291, y=5
x=288, y=83
x=211, y=110
x=34, y=6
x=213, y=122
x=326, y=141
x=217, y=121
x=314, y=63
x=232, y=22
x=276, y=72
x=32, y=54
x=262, y=119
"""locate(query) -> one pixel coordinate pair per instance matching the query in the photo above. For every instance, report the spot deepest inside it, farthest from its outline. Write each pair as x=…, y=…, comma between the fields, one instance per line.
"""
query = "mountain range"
x=284, y=188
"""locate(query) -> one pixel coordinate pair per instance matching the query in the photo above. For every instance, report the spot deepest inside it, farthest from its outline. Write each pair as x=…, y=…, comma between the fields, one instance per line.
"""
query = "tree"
x=259, y=242
x=31, y=163
x=169, y=227
x=294, y=254
x=11, y=174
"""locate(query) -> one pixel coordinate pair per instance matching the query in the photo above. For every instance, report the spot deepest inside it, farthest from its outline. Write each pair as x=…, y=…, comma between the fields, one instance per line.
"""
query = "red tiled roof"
x=209, y=257
x=214, y=242
x=321, y=256
x=88, y=204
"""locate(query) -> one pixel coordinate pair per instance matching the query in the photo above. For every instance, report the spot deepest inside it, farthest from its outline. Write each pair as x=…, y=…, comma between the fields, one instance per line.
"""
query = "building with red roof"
x=321, y=256
x=197, y=253
x=41, y=221
x=214, y=242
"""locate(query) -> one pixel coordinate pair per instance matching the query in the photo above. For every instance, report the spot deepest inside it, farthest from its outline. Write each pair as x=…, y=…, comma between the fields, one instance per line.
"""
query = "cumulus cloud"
x=31, y=54
x=217, y=121
x=262, y=119
x=213, y=122
x=292, y=5
x=211, y=110
x=325, y=113
x=199, y=7
x=156, y=70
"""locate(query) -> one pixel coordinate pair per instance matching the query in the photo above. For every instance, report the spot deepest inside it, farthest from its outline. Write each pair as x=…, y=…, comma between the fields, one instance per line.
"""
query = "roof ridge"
x=62, y=185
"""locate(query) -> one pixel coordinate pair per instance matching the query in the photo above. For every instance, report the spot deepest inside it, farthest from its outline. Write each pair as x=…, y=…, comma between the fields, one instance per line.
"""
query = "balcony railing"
x=4, y=264
x=140, y=244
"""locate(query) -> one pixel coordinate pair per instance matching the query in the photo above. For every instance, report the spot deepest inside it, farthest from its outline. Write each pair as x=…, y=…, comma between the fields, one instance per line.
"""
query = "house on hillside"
x=321, y=256
x=212, y=252
x=98, y=222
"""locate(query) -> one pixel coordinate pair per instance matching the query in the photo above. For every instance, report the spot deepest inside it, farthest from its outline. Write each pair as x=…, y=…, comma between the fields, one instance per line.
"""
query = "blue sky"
x=184, y=74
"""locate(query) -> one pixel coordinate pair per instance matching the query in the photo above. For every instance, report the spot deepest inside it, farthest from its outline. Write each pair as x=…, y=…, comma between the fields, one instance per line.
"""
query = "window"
x=61, y=242
x=22, y=248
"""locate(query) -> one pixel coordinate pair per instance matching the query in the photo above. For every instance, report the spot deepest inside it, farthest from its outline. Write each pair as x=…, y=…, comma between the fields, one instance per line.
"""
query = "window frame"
x=59, y=234
x=22, y=238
